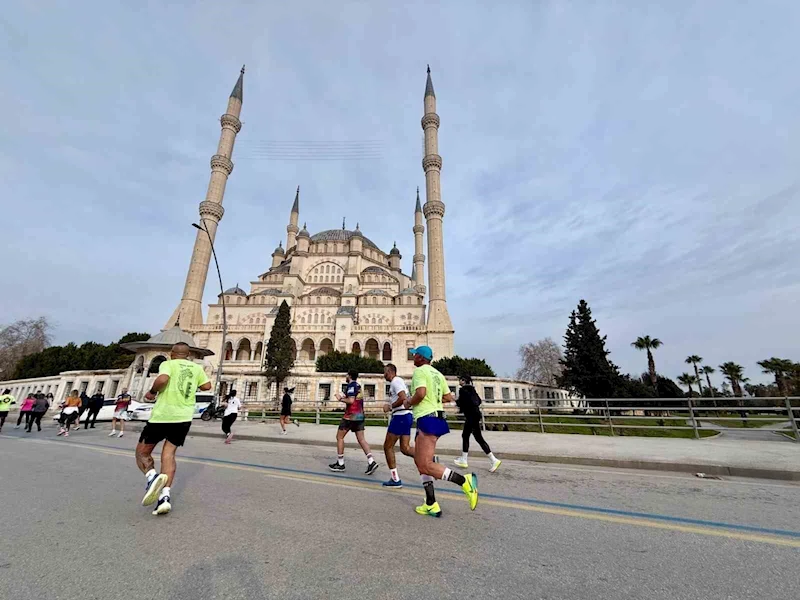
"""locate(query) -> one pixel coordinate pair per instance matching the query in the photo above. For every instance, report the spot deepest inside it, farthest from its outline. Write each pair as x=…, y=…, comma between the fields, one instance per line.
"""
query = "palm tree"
x=735, y=374
x=777, y=367
x=649, y=344
x=696, y=360
x=687, y=380
x=708, y=370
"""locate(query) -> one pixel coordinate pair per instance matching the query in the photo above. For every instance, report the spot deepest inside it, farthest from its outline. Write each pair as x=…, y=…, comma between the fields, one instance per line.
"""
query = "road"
x=260, y=520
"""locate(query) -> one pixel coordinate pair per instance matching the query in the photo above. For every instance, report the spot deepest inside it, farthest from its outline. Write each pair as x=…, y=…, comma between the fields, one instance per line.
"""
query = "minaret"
x=418, y=273
x=291, y=228
x=440, y=328
x=189, y=313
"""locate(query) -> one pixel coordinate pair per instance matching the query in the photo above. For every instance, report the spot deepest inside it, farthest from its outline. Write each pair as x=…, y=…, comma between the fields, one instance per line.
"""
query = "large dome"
x=340, y=235
x=172, y=336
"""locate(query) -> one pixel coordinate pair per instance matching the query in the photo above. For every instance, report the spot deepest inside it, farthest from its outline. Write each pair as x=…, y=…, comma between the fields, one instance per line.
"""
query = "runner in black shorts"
x=353, y=420
x=286, y=410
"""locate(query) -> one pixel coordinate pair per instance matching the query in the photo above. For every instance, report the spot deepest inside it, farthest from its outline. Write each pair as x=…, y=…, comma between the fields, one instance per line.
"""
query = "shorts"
x=354, y=426
x=401, y=424
x=433, y=425
x=286, y=412
x=174, y=433
x=122, y=414
x=3, y=414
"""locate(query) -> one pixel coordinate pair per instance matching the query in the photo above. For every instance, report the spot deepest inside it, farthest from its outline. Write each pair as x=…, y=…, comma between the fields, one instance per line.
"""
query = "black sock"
x=456, y=478
x=430, y=497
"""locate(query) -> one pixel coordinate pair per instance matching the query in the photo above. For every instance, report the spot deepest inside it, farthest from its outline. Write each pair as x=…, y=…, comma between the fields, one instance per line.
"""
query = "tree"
x=735, y=375
x=541, y=362
x=666, y=387
x=280, y=353
x=687, y=380
x=20, y=339
x=342, y=362
x=458, y=366
x=649, y=344
x=707, y=371
x=779, y=367
x=587, y=369
x=695, y=360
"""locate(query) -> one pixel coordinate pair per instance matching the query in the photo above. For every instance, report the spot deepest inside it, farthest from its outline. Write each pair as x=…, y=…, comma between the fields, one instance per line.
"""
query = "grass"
x=753, y=421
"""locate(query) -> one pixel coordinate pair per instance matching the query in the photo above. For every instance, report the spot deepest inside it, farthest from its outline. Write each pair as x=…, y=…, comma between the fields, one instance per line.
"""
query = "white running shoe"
x=283, y=432
x=112, y=434
x=163, y=506
x=154, y=486
x=120, y=434
x=296, y=422
x=495, y=465
x=459, y=462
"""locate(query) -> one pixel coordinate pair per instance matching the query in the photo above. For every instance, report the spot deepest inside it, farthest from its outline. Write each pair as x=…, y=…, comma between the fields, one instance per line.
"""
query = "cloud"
x=641, y=157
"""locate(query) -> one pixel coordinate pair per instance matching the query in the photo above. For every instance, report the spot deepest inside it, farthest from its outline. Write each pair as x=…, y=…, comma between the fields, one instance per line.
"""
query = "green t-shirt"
x=6, y=400
x=175, y=403
x=435, y=387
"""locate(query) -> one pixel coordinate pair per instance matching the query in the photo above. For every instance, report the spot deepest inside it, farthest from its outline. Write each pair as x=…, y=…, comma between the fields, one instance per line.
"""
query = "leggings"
x=472, y=427
x=27, y=415
x=227, y=421
x=67, y=419
x=36, y=417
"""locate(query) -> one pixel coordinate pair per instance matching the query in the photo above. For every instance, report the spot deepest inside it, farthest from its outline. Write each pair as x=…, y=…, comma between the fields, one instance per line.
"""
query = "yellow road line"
x=564, y=512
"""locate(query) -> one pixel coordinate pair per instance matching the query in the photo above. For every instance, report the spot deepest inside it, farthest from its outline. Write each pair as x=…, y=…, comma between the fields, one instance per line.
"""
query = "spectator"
x=95, y=404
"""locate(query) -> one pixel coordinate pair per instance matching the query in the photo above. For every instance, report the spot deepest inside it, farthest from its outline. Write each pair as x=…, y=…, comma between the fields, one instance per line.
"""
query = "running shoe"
x=61, y=431
x=283, y=432
x=393, y=484
x=120, y=434
x=495, y=465
x=470, y=488
x=461, y=463
x=66, y=434
x=154, y=485
x=112, y=434
x=371, y=468
x=296, y=422
x=336, y=467
x=163, y=506
x=432, y=511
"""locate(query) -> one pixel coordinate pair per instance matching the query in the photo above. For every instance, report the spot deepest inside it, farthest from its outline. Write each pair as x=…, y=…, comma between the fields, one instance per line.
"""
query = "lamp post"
x=218, y=382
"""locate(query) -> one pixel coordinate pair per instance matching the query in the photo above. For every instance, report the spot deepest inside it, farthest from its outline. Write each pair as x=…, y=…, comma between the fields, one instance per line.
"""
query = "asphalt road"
x=262, y=520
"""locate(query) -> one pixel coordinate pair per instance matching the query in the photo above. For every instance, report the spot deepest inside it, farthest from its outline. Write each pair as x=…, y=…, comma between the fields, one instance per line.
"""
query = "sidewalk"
x=713, y=456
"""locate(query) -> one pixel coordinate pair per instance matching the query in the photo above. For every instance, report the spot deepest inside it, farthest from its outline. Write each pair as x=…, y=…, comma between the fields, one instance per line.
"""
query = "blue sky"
x=643, y=156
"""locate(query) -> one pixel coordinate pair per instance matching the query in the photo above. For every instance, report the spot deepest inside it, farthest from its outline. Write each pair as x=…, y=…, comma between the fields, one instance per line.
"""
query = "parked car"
x=105, y=414
x=141, y=411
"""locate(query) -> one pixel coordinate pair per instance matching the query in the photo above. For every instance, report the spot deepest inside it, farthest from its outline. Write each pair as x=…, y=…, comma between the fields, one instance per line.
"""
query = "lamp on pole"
x=218, y=382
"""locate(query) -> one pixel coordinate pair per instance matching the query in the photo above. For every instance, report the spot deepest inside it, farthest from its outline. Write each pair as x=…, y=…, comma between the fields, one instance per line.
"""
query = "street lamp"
x=218, y=382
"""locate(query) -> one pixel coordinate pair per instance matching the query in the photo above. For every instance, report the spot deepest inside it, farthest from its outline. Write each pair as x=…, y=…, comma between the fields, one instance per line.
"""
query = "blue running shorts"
x=433, y=425
x=401, y=424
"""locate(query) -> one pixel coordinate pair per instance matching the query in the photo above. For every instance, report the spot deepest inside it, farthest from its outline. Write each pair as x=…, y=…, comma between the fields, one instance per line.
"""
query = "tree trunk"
x=711, y=389
x=699, y=381
x=651, y=366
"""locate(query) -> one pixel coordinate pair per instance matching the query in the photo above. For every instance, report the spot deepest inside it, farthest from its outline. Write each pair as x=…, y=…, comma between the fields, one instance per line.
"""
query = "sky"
x=642, y=156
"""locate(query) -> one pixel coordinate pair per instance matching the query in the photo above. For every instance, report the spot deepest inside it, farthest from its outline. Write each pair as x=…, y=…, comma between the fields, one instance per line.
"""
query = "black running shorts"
x=354, y=426
x=174, y=433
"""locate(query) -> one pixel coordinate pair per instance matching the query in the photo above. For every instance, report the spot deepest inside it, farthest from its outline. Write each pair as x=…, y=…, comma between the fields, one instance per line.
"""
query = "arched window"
x=316, y=319
x=243, y=351
x=155, y=364
x=259, y=351
x=387, y=352
x=325, y=346
x=228, y=351
x=308, y=351
x=356, y=349
x=384, y=300
x=371, y=348
x=294, y=348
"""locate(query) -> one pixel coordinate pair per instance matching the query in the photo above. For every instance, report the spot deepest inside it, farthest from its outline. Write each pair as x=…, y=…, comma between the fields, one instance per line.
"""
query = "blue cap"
x=424, y=351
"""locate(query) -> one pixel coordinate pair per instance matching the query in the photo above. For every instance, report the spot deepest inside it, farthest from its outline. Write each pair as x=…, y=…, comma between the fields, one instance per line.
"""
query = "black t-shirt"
x=286, y=402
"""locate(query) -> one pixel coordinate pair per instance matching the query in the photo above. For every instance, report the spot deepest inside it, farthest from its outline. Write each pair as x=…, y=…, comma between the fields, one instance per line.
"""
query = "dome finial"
x=343, y=220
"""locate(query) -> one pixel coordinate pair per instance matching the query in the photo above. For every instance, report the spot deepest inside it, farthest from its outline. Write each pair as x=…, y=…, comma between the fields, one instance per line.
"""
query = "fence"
x=696, y=417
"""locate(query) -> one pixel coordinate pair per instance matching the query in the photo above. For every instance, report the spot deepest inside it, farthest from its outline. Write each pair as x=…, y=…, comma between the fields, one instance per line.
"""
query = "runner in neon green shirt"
x=6, y=400
x=428, y=392
x=176, y=385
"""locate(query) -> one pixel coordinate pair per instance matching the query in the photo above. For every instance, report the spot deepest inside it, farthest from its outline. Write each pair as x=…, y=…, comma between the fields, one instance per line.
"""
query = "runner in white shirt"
x=232, y=406
x=399, y=425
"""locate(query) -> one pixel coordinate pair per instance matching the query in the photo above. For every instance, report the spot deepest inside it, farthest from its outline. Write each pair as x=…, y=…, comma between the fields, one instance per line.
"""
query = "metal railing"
x=605, y=416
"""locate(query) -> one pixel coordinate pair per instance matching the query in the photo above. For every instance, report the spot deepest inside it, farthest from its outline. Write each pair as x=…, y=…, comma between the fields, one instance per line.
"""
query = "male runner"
x=353, y=420
x=120, y=413
x=6, y=400
x=429, y=389
x=399, y=425
x=177, y=382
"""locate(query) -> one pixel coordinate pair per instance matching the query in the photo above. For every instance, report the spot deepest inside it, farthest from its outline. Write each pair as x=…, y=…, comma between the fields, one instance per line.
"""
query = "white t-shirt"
x=234, y=404
x=396, y=386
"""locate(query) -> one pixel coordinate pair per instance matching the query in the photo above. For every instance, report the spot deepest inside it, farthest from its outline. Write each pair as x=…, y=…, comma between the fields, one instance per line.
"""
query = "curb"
x=648, y=465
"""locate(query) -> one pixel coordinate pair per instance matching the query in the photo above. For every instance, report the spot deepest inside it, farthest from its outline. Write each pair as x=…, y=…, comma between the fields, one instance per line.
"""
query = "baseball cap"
x=424, y=351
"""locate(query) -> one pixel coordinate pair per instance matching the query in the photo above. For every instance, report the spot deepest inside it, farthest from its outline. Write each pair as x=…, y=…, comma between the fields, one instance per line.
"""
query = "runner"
x=286, y=410
x=469, y=404
x=429, y=389
x=69, y=412
x=120, y=413
x=177, y=382
x=353, y=420
x=38, y=410
x=232, y=406
x=6, y=400
x=399, y=425
x=25, y=410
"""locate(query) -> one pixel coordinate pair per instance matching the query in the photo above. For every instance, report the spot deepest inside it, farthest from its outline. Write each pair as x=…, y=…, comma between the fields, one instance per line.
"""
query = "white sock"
x=425, y=478
x=340, y=459
x=150, y=473
x=370, y=460
x=464, y=457
x=446, y=474
x=395, y=476
x=164, y=492
x=492, y=457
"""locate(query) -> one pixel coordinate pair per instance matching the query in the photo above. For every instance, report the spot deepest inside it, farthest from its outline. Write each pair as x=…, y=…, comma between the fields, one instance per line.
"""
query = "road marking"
x=685, y=525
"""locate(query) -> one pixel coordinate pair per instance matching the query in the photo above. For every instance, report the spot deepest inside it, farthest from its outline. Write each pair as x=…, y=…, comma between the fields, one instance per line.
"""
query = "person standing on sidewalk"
x=286, y=410
x=95, y=404
x=6, y=400
x=176, y=385
x=120, y=413
x=25, y=410
x=232, y=405
x=40, y=406
x=353, y=420
x=399, y=425
x=469, y=405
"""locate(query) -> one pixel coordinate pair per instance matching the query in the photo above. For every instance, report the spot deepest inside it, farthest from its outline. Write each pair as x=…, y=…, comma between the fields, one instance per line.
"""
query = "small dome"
x=279, y=251
x=394, y=251
x=270, y=292
x=236, y=291
x=172, y=336
x=377, y=293
x=303, y=232
x=410, y=291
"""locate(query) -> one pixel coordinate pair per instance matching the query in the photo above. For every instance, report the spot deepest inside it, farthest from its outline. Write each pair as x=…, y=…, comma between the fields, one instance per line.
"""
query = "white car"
x=140, y=411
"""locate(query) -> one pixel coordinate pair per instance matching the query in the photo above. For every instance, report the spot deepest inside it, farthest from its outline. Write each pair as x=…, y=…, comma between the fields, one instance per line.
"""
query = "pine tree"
x=587, y=369
x=280, y=349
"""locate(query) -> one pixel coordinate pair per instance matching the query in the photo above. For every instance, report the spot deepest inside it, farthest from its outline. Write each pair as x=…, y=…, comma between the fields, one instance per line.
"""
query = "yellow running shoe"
x=432, y=511
x=470, y=488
